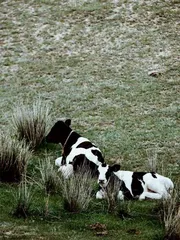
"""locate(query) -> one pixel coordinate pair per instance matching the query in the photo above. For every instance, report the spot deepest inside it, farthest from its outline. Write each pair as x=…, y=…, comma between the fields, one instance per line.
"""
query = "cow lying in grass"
x=77, y=150
x=133, y=185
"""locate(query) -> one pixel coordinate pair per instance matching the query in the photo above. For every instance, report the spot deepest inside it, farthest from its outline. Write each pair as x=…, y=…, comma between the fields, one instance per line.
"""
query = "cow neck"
x=64, y=145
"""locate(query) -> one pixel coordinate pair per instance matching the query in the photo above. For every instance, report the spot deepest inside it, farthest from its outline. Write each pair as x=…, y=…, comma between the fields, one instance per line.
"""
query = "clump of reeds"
x=77, y=190
x=14, y=156
x=49, y=176
x=170, y=215
x=23, y=199
x=30, y=122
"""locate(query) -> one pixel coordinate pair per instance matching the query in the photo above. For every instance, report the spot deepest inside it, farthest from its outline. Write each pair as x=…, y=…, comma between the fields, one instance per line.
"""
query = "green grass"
x=59, y=224
x=90, y=61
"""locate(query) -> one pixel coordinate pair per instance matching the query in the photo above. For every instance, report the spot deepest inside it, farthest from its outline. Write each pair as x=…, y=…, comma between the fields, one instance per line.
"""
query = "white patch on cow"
x=125, y=176
x=165, y=181
x=160, y=185
x=91, y=157
x=102, y=180
x=87, y=152
x=79, y=141
x=66, y=170
x=58, y=161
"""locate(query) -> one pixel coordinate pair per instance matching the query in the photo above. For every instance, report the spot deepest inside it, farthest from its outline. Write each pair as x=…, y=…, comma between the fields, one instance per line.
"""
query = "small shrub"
x=49, y=176
x=23, y=199
x=76, y=191
x=14, y=156
x=30, y=123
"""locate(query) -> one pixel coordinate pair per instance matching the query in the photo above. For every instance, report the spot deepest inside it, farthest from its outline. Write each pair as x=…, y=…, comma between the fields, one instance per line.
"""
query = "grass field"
x=113, y=67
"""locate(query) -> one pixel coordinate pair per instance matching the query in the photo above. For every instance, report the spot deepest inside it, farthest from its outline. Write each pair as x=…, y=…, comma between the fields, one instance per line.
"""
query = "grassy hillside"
x=113, y=67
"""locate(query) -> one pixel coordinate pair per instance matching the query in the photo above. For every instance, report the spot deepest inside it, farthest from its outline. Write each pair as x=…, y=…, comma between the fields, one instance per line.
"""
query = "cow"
x=133, y=185
x=77, y=151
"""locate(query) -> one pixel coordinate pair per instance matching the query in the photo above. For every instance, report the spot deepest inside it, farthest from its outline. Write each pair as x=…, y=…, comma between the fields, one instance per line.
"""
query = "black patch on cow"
x=138, y=175
x=104, y=164
x=86, y=145
x=61, y=132
x=98, y=154
x=71, y=141
x=136, y=185
x=81, y=163
x=108, y=174
x=127, y=194
x=63, y=162
x=153, y=174
x=115, y=167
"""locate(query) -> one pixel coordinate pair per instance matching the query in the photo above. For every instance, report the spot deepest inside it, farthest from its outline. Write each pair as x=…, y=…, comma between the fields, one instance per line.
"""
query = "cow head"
x=59, y=132
x=105, y=173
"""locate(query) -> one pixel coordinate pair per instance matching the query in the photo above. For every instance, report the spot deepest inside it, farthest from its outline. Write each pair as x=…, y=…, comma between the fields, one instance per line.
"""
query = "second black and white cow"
x=134, y=185
x=77, y=150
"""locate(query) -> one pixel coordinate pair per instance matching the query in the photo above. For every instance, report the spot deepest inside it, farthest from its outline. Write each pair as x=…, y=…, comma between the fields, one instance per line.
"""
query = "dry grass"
x=171, y=215
x=76, y=191
x=169, y=212
x=49, y=176
x=23, y=199
x=111, y=192
x=30, y=122
x=14, y=156
x=151, y=159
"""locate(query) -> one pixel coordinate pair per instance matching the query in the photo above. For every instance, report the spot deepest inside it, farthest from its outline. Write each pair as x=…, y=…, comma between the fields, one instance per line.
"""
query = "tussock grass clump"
x=171, y=216
x=23, y=199
x=30, y=123
x=14, y=156
x=76, y=191
x=49, y=176
x=169, y=211
x=111, y=191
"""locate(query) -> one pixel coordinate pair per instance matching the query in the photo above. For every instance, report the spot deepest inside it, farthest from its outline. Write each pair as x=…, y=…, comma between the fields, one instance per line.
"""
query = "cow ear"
x=68, y=122
x=115, y=168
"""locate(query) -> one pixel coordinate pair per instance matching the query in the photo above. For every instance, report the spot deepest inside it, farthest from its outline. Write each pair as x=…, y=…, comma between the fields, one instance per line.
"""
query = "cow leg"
x=150, y=195
x=157, y=187
x=58, y=161
x=100, y=194
x=120, y=195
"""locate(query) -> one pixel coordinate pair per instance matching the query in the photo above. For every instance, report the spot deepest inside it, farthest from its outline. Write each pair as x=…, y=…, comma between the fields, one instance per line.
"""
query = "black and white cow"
x=134, y=185
x=77, y=150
